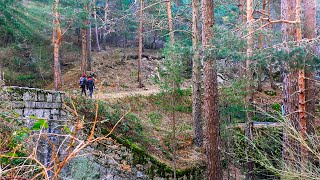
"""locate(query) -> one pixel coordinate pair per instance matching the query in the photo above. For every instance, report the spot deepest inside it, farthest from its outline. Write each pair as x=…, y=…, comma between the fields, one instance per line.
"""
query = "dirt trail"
x=117, y=95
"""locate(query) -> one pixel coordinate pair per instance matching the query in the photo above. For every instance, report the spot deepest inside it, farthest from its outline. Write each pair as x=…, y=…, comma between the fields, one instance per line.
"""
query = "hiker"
x=83, y=82
x=90, y=85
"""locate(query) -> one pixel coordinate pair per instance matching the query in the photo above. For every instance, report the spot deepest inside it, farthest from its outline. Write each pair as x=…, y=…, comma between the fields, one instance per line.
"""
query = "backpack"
x=82, y=81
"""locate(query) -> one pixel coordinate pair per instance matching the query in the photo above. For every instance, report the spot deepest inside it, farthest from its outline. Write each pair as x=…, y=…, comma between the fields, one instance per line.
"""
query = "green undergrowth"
x=132, y=131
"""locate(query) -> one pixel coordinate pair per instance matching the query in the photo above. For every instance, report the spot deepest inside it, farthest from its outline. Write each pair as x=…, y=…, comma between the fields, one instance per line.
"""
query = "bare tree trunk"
x=249, y=89
x=214, y=170
x=272, y=85
x=84, y=45
x=96, y=27
x=241, y=10
x=140, y=44
x=170, y=24
x=261, y=41
x=57, y=37
x=104, y=36
x=196, y=77
x=290, y=10
x=310, y=33
x=84, y=48
x=1, y=74
x=89, y=45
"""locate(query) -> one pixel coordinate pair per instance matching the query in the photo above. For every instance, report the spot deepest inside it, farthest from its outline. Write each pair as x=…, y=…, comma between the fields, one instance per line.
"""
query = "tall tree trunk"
x=214, y=171
x=291, y=10
x=104, y=36
x=140, y=44
x=96, y=27
x=84, y=45
x=196, y=77
x=261, y=41
x=310, y=33
x=1, y=74
x=249, y=89
x=302, y=92
x=89, y=45
x=170, y=24
x=241, y=10
x=57, y=37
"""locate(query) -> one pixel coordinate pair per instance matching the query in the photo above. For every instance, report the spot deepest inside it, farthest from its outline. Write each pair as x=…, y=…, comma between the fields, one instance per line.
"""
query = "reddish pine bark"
x=310, y=33
x=57, y=37
x=214, y=171
x=170, y=24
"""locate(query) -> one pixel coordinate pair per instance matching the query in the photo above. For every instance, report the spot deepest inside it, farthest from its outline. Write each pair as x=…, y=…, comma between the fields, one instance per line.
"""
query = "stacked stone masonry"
x=31, y=101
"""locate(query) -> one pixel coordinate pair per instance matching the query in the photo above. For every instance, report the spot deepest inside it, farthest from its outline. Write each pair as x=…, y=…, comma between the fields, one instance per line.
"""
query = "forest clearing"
x=159, y=89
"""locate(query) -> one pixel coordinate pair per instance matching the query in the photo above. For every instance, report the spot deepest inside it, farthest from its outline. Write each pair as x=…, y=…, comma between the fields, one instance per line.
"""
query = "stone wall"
x=110, y=160
x=107, y=160
x=32, y=104
x=37, y=102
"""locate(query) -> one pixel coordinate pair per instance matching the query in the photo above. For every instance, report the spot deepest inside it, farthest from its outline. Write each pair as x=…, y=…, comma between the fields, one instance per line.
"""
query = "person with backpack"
x=83, y=82
x=90, y=85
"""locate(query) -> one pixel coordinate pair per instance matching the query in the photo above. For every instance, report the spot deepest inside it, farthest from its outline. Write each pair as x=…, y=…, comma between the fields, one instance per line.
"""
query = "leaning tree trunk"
x=214, y=170
x=140, y=44
x=170, y=24
x=196, y=77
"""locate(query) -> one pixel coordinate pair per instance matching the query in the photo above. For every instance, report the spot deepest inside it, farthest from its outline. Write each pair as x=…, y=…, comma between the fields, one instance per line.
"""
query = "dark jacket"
x=90, y=83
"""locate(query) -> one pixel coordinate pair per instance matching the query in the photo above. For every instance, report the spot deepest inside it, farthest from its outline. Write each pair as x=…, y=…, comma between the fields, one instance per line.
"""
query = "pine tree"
x=196, y=77
x=214, y=171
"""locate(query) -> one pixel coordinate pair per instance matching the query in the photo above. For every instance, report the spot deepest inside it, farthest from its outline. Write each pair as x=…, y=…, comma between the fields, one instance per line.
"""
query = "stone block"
x=18, y=104
x=30, y=104
x=43, y=105
x=46, y=113
x=57, y=97
x=19, y=111
x=29, y=96
x=56, y=105
x=49, y=97
x=63, y=113
x=39, y=113
x=41, y=97
x=55, y=112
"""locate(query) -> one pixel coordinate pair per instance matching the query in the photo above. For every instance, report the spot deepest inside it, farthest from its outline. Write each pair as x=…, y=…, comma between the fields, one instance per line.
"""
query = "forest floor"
x=115, y=73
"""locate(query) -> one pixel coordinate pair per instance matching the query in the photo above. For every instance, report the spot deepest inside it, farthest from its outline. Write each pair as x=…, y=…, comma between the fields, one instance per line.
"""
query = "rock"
x=111, y=161
x=140, y=174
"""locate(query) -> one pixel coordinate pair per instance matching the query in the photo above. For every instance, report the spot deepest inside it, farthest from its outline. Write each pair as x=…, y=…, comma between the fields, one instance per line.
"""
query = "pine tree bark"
x=310, y=33
x=89, y=45
x=57, y=37
x=104, y=36
x=84, y=45
x=140, y=44
x=96, y=27
x=249, y=89
x=214, y=171
x=196, y=77
x=1, y=74
x=261, y=41
x=170, y=24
